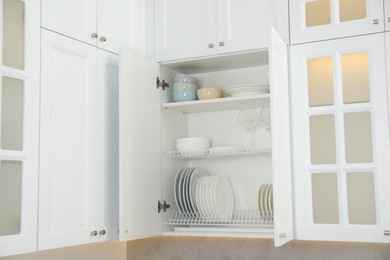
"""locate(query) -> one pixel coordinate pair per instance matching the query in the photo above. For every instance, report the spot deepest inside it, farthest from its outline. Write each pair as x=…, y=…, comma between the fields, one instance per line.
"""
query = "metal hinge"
x=163, y=206
x=386, y=232
x=161, y=83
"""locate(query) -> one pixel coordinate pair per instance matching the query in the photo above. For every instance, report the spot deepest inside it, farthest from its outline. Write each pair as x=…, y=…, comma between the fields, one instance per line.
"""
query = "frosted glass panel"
x=322, y=139
x=352, y=10
x=12, y=114
x=317, y=13
x=325, y=198
x=356, y=83
x=13, y=33
x=358, y=137
x=10, y=197
x=320, y=81
x=361, y=198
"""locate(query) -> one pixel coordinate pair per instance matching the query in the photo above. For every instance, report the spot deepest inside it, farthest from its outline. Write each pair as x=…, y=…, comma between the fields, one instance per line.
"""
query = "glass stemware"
x=249, y=118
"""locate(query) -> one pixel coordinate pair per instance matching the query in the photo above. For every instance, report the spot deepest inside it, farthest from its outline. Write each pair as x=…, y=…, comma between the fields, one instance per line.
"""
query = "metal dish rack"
x=242, y=152
x=240, y=218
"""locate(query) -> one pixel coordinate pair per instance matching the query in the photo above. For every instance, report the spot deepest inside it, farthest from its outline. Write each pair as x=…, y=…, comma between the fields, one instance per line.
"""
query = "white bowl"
x=193, y=144
x=192, y=140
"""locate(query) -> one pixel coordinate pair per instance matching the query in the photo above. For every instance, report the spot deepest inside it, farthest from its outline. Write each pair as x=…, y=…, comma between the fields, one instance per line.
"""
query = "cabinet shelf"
x=219, y=104
x=242, y=152
x=241, y=218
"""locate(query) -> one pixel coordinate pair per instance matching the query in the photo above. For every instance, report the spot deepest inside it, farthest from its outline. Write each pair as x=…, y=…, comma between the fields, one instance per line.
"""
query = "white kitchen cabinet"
x=328, y=19
x=341, y=140
x=103, y=23
x=387, y=15
x=19, y=126
x=202, y=28
x=78, y=148
x=150, y=123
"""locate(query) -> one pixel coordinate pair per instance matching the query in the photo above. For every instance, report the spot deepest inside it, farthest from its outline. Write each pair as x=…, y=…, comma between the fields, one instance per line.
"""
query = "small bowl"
x=209, y=93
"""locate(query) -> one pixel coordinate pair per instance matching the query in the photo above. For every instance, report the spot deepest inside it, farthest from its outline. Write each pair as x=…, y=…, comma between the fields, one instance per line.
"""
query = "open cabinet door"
x=281, y=148
x=139, y=147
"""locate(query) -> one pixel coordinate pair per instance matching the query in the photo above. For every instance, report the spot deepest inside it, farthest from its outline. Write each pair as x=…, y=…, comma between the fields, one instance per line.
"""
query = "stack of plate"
x=265, y=199
x=245, y=90
x=199, y=195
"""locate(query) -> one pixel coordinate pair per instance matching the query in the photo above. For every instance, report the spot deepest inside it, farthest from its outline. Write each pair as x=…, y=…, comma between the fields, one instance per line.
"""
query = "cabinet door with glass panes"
x=313, y=20
x=341, y=140
x=19, y=119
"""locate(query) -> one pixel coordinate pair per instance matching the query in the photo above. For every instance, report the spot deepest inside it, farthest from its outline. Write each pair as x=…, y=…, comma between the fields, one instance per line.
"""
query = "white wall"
x=99, y=251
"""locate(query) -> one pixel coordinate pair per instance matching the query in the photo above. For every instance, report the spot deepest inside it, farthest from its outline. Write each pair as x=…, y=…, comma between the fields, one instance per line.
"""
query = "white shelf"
x=220, y=62
x=242, y=152
x=219, y=104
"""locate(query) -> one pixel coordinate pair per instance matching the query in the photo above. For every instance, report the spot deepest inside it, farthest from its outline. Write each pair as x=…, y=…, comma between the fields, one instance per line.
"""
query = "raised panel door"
x=116, y=22
x=185, y=29
x=316, y=20
x=243, y=25
x=341, y=140
x=73, y=18
x=68, y=143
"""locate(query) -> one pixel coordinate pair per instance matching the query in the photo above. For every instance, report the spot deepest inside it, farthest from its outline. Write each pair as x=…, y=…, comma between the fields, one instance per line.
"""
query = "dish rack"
x=240, y=218
x=242, y=152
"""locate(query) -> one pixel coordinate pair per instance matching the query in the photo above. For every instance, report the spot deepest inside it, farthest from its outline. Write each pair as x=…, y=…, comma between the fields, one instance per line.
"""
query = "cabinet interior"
x=246, y=173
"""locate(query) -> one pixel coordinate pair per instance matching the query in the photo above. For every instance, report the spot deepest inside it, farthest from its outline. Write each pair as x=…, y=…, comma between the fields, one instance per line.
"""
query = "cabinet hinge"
x=161, y=83
x=386, y=232
x=163, y=206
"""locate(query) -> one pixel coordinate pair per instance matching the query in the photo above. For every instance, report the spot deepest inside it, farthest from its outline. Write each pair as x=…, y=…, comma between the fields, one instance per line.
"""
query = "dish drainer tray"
x=241, y=218
x=242, y=152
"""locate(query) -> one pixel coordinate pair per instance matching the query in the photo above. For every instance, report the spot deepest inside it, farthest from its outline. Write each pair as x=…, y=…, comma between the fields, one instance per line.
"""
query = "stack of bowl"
x=184, y=88
x=193, y=144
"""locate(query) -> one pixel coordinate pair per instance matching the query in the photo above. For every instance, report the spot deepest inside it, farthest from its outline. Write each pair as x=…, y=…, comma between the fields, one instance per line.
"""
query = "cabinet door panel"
x=387, y=15
x=68, y=151
x=184, y=29
x=19, y=125
x=139, y=147
x=115, y=23
x=281, y=148
x=107, y=208
x=356, y=164
x=243, y=25
x=73, y=18
x=328, y=19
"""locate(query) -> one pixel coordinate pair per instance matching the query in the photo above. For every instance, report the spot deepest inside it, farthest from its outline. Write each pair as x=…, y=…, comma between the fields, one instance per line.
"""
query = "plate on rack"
x=194, y=179
x=176, y=188
x=245, y=90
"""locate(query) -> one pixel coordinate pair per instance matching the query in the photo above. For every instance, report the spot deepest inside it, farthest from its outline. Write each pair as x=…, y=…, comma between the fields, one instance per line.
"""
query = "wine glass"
x=249, y=118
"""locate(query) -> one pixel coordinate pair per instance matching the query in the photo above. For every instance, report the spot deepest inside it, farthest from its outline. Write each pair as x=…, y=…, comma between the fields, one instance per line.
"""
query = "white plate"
x=194, y=178
x=224, y=198
x=265, y=197
x=259, y=198
x=270, y=199
x=181, y=191
x=176, y=188
x=245, y=90
x=199, y=187
x=187, y=192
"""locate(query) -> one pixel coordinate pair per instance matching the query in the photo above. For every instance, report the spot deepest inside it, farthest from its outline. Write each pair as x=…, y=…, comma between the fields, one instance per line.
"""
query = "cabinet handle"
x=221, y=43
x=211, y=45
x=103, y=39
x=94, y=233
x=94, y=35
x=375, y=21
x=102, y=232
x=388, y=19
